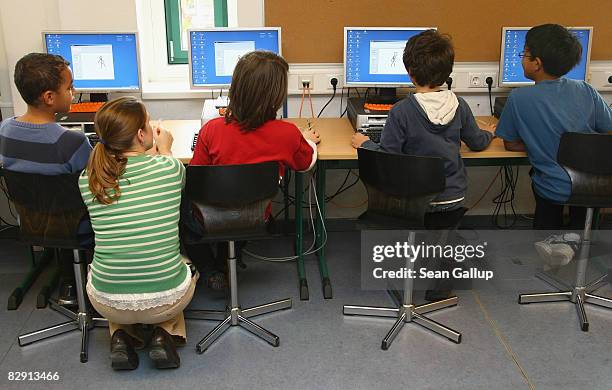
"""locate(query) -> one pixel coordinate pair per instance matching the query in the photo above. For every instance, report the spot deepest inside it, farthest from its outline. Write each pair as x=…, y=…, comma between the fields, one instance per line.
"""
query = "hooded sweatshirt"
x=434, y=124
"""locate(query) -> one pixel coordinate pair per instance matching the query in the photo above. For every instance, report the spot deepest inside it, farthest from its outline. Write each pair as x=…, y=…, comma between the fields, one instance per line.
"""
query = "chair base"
x=576, y=295
x=79, y=320
x=236, y=316
x=408, y=313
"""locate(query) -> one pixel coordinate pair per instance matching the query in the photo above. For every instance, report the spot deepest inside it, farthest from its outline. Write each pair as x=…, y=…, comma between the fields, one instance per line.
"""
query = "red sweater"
x=221, y=143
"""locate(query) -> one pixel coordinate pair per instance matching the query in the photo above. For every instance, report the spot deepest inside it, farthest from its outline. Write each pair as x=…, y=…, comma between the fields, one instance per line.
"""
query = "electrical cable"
x=487, y=190
x=310, y=101
x=505, y=198
x=310, y=250
x=334, y=86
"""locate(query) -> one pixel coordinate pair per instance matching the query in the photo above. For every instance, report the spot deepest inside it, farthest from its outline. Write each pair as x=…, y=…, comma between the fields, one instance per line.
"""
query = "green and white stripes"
x=137, y=243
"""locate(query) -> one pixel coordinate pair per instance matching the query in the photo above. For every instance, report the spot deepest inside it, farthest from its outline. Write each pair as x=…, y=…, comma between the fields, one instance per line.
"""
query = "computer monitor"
x=373, y=56
x=213, y=53
x=513, y=42
x=100, y=61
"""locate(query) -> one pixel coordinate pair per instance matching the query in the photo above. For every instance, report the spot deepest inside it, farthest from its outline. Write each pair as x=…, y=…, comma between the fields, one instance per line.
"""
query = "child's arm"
x=475, y=138
x=506, y=128
x=603, y=114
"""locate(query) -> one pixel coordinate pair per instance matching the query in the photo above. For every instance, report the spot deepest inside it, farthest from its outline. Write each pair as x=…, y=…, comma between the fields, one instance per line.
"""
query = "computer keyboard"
x=86, y=107
x=195, y=139
x=377, y=107
x=373, y=133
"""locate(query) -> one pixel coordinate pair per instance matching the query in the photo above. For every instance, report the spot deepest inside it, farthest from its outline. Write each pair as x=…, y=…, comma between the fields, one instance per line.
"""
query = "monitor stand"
x=384, y=96
x=98, y=97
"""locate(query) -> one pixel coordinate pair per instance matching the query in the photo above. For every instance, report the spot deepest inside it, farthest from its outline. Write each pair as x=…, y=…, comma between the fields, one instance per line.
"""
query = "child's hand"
x=312, y=135
x=163, y=140
x=358, y=139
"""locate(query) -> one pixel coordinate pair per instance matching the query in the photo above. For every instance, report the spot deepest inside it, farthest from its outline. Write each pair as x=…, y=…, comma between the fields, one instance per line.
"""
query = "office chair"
x=586, y=159
x=232, y=200
x=50, y=209
x=400, y=188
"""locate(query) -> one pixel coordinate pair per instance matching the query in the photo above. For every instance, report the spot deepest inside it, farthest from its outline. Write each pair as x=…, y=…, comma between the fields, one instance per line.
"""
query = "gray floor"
x=505, y=345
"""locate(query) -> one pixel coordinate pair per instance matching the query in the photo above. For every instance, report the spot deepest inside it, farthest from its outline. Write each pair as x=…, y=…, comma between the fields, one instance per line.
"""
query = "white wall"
x=22, y=23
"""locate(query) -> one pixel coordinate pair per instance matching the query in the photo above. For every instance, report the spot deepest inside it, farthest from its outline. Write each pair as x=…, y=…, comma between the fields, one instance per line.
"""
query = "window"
x=182, y=15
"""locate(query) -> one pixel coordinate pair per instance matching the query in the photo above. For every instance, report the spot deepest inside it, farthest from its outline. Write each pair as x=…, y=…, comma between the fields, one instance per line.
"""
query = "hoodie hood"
x=440, y=107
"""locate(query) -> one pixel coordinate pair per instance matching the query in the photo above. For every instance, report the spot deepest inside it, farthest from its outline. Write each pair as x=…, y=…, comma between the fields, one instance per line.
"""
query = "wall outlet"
x=302, y=78
x=476, y=80
x=338, y=77
x=608, y=79
x=492, y=75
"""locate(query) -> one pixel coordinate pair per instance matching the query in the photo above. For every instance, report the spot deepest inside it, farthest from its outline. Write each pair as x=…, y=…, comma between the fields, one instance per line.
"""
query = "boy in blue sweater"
x=535, y=117
x=432, y=122
x=34, y=143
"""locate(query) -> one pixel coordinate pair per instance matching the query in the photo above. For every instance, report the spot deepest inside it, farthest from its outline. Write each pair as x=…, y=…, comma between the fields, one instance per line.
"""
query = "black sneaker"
x=123, y=356
x=163, y=350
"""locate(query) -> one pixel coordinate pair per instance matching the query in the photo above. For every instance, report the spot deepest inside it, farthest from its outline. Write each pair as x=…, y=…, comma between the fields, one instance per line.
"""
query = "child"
x=249, y=132
x=535, y=117
x=133, y=193
x=34, y=143
x=432, y=122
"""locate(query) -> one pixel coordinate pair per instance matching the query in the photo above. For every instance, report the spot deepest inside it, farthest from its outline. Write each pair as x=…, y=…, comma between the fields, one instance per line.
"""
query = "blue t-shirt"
x=538, y=115
x=47, y=149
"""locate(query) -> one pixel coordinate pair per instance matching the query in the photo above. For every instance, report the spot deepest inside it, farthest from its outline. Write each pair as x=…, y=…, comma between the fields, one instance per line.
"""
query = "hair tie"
x=102, y=142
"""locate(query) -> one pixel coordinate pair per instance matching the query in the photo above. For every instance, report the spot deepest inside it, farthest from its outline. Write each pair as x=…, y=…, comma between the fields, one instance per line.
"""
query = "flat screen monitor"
x=373, y=56
x=513, y=42
x=213, y=53
x=100, y=61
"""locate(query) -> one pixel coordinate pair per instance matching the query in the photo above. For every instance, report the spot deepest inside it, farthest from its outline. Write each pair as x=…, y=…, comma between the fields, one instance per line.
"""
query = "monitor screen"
x=100, y=62
x=373, y=55
x=513, y=43
x=213, y=53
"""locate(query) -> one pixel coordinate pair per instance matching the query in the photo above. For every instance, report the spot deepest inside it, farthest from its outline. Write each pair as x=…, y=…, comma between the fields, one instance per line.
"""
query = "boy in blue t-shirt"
x=535, y=117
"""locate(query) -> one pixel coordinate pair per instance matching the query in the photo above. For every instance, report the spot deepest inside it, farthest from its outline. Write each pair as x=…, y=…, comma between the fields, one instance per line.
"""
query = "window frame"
x=172, y=10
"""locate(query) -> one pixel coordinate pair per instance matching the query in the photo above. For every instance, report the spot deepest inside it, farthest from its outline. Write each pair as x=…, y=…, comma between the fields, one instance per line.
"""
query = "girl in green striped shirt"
x=132, y=189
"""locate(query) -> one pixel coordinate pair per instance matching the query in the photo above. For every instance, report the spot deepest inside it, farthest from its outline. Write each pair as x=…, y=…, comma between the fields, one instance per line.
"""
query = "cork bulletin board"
x=312, y=29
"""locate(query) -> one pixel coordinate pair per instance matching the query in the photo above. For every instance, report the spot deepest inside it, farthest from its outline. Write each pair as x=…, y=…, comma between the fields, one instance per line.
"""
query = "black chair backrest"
x=232, y=199
x=587, y=159
x=50, y=207
x=400, y=185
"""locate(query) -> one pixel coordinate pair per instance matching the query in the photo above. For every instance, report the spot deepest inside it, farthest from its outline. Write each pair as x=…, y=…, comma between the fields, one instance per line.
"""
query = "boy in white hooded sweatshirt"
x=432, y=121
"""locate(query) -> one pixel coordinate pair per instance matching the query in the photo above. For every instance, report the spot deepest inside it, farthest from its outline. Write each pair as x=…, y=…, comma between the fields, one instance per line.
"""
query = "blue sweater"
x=408, y=130
x=47, y=149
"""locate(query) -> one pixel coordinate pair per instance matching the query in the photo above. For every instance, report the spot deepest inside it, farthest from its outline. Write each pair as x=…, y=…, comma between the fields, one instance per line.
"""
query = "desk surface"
x=335, y=143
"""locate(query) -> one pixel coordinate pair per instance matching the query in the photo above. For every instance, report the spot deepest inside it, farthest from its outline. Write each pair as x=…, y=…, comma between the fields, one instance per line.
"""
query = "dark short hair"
x=429, y=57
x=556, y=46
x=258, y=89
x=36, y=73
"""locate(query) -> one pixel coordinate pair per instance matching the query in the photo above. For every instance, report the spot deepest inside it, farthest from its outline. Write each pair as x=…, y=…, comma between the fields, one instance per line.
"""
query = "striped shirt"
x=46, y=149
x=137, y=242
